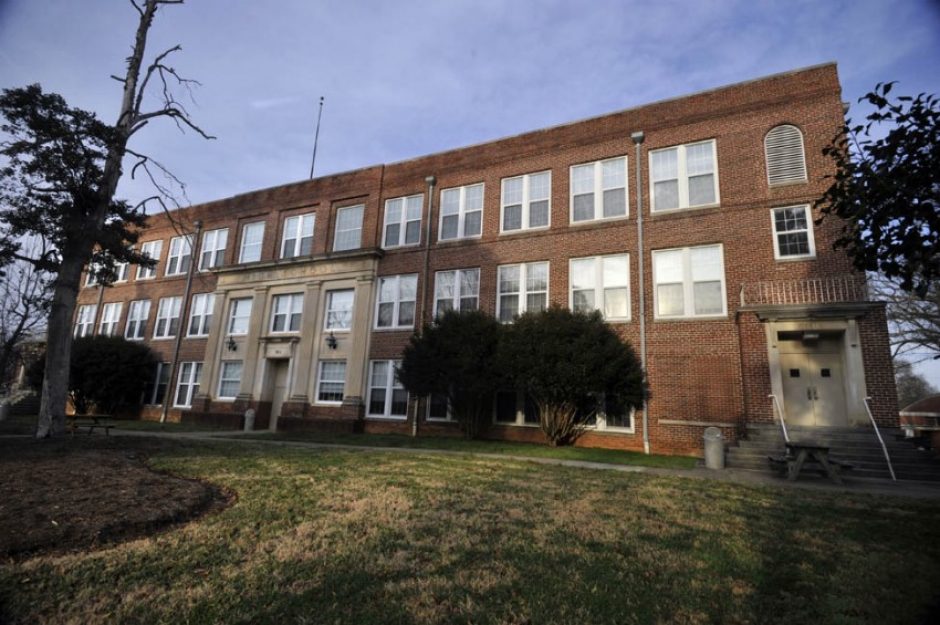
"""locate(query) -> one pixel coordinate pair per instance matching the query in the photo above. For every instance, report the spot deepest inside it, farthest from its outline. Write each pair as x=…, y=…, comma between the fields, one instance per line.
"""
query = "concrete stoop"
x=857, y=446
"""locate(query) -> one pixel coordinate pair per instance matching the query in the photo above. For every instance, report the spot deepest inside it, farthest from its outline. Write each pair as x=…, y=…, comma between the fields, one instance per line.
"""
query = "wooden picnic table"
x=90, y=421
x=799, y=452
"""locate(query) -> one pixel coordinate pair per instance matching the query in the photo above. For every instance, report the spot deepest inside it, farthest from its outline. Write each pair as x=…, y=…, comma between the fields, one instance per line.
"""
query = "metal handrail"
x=783, y=424
x=884, y=447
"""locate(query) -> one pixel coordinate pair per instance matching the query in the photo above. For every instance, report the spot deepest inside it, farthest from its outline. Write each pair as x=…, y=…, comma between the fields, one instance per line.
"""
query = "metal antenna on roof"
x=316, y=139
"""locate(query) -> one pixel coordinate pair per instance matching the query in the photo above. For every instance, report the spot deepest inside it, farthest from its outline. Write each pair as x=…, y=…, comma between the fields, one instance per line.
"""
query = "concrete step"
x=901, y=455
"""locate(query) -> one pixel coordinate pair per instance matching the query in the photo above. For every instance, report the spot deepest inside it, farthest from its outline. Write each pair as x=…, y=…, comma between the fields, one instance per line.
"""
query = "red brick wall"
x=712, y=371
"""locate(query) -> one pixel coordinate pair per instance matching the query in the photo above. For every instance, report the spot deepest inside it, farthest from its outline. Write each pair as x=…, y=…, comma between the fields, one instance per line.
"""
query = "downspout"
x=431, y=181
x=184, y=317
x=638, y=138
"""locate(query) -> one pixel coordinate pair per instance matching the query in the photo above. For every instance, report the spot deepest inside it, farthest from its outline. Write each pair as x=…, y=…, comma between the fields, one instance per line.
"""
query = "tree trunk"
x=55, y=383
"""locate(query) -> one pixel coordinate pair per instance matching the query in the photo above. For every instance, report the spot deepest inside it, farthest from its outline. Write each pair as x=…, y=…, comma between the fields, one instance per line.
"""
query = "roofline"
x=526, y=132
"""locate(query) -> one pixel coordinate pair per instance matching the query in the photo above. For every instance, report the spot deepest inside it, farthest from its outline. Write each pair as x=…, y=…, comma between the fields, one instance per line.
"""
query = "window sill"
x=795, y=259
x=721, y=317
x=327, y=403
x=378, y=417
x=597, y=221
x=684, y=211
x=395, y=329
x=524, y=231
x=163, y=338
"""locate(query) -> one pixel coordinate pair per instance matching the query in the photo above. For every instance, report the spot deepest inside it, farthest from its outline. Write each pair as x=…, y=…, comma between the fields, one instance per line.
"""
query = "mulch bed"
x=72, y=494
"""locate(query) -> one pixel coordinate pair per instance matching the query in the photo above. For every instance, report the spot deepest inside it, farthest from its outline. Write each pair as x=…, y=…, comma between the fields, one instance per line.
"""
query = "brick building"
x=687, y=222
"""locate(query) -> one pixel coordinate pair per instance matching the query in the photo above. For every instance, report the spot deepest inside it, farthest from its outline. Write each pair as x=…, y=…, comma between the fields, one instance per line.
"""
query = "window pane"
x=472, y=224
x=474, y=198
x=668, y=266
x=708, y=300
x=615, y=202
x=793, y=244
x=413, y=207
x=582, y=179
x=538, y=214
x=399, y=402
x=506, y=406
x=698, y=159
x=669, y=300
x=536, y=302
x=470, y=283
x=449, y=227
x=386, y=312
x=509, y=279
x=615, y=303
x=408, y=287
x=539, y=186
x=450, y=202
x=613, y=174
x=706, y=263
x=377, y=401
x=380, y=373
x=701, y=190
x=584, y=207
x=583, y=301
x=508, y=307
x=665, y=164
x=393, y=211
x=666, y=195
x=537, y=277
x=582, y=273
x=387, y=289
x=787, y=219
x=512, y=217
x=437, y=408
x=392, y=232
x=406, y=314
x=412, y=232
x=530, y=410
x=512, y=191
x=615, y=271
x=444, y=285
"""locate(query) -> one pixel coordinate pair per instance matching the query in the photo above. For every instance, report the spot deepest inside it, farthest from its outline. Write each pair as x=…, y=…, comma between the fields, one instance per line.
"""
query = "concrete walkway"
x=904, y=488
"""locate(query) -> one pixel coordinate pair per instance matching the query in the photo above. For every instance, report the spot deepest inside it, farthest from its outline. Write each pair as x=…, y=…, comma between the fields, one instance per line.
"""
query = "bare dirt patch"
x=80, y=493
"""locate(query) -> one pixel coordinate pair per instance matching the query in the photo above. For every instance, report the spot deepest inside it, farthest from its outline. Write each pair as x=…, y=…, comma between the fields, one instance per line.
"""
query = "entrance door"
x=813, y=389
x=279, y=394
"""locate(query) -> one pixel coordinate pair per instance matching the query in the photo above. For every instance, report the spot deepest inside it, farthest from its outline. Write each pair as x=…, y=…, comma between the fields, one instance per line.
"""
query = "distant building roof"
x=927, y=406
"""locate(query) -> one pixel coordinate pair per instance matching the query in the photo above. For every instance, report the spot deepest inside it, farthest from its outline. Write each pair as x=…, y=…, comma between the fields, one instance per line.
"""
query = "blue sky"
x=402, y=79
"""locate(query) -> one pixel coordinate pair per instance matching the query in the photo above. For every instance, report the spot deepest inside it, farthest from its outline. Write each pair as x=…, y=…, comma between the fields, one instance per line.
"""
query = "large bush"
x=566, y=362
x=105, y=372
x=456, y=358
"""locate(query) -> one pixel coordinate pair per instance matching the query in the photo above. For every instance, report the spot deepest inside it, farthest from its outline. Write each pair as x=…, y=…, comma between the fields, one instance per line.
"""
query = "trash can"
x=4, y=410
x=249, y=419
x=714, y=448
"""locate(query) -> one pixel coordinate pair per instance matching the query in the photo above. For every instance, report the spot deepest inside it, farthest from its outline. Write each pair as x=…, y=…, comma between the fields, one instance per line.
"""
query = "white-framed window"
x=339, y=309
x=793, y=232
x=526, y=202
x=200, y=314
x=110, y=316
x=786, y=159
x=286, y=311
x=121, y=269
x=458, y=289
x=395, y=305
x=155, y=391
x=138, y=312
x=150, y=249
x=252, y=240
x=168, y=318
x=599, y=190
x=461, y=213
x=239, y=314
x=521, y=288
x=438, y=408
x=230, y=379
x=402, y=221
x=348, y=234
x=298, y=236
x=689, y=282
x=179, y=256
x=609, y=415
x=515, y=408
x=212, y=253
x=684, y=176
x=331, y=382
x=387, y=397
x=187, y=384
x=601, y=283
x=85, y=320
x=90, y=277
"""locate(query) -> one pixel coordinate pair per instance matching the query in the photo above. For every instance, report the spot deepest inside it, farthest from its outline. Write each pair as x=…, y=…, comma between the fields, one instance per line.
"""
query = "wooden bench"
x=92, y=422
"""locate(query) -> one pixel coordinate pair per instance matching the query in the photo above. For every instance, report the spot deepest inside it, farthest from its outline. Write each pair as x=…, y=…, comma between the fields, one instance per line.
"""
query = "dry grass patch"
x=351, y=537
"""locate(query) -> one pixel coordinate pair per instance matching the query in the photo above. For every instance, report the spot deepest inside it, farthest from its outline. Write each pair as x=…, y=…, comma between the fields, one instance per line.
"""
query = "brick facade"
x=701, y=371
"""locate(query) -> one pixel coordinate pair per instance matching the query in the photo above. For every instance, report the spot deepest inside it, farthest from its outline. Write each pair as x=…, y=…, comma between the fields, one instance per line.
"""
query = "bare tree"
x=914, y=320
x=24, y=304
x=63, y=172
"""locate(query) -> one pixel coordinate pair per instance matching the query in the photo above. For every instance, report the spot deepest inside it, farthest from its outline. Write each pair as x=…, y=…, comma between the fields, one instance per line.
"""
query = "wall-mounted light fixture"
x=231, y=345
x=331, y=341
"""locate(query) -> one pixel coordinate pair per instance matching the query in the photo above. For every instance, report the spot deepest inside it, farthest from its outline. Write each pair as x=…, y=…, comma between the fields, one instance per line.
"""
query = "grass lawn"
x=334, y=536
x=531, y=450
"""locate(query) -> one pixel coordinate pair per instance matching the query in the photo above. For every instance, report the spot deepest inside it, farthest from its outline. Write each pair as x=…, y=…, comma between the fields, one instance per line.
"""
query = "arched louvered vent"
x=786, y=162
